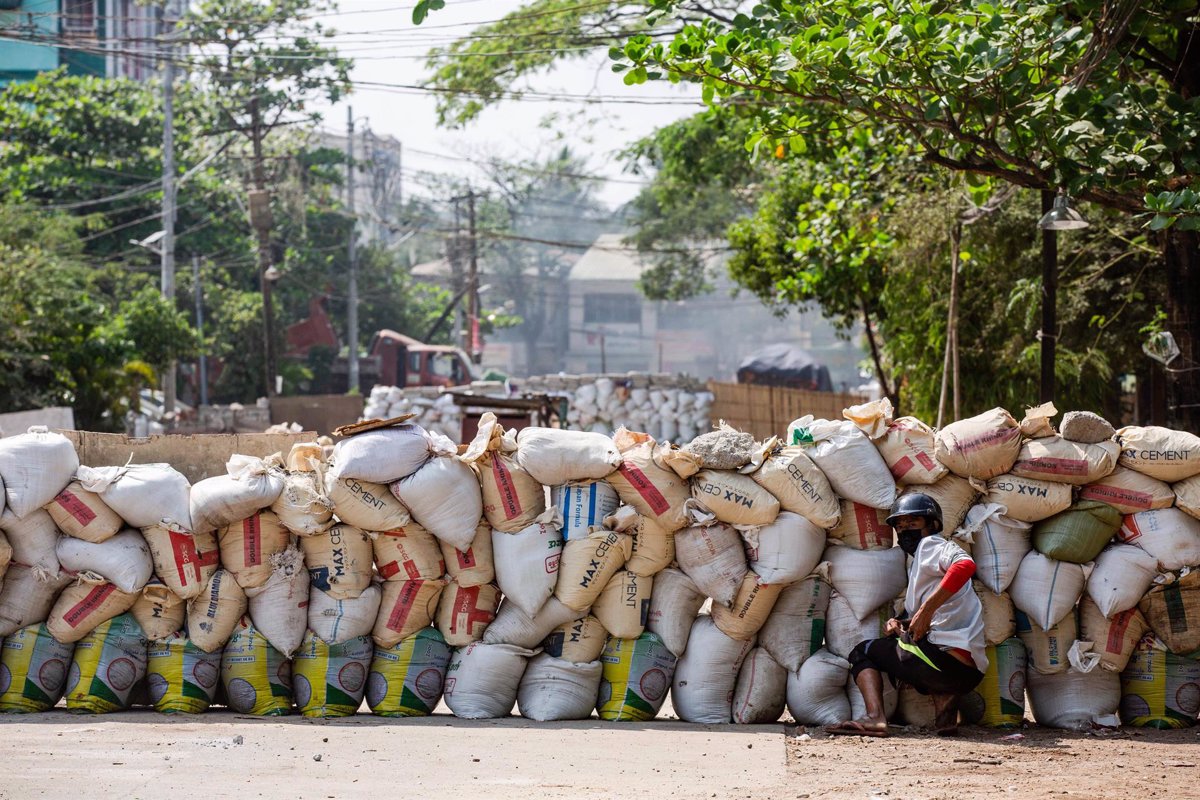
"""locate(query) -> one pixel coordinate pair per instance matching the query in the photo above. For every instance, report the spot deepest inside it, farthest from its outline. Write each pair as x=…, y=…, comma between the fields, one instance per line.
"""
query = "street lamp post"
x=1057, y=215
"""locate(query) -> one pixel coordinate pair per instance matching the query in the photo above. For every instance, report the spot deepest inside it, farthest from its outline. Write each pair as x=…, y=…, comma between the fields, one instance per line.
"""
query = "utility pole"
x=352, y=310
x=1049, y=332
x=200, y=329
x=168, y=186
x=260, y=220
x=473, y=284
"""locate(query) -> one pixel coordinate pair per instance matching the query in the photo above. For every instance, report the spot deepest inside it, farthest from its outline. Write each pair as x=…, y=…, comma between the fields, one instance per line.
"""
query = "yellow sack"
x=256, y=677
x=999, y=699
x=181, y=677
x=407, y=680
x=33, y=670
x=636, y=676
x=330, y=679
x=105, y=667
x=1159, y=689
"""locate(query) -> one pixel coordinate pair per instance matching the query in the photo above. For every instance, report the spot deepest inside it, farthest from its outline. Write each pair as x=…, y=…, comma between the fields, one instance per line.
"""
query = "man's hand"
x=894, y=627
x=918, y=626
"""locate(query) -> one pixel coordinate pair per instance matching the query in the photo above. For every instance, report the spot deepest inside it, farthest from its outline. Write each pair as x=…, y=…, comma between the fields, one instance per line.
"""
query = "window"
x=612, y=308
x=79, y=16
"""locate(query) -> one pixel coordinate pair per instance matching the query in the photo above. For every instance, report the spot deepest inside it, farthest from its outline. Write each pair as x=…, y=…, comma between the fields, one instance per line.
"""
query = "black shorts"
x=947, y=675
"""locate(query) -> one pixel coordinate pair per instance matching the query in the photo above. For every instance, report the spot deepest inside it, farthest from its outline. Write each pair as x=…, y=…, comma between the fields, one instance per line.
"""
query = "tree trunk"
x=889, y=390
x=1181, y=250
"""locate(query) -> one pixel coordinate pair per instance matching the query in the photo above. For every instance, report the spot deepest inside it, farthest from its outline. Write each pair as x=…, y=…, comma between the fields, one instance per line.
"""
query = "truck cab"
x=404, y=361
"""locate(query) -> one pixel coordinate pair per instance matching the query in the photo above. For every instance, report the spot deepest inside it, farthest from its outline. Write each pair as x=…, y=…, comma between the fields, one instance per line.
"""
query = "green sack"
x=1078, y=534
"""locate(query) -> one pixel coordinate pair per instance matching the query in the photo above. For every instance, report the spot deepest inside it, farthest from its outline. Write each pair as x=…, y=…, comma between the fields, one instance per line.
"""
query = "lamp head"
x=1062, y=217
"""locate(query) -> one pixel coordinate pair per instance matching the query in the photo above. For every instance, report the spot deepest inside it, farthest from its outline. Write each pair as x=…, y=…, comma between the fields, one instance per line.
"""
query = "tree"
x=1100, y=97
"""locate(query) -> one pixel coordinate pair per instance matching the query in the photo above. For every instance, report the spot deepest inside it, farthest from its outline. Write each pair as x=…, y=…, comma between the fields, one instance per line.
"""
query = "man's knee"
x=858, y=658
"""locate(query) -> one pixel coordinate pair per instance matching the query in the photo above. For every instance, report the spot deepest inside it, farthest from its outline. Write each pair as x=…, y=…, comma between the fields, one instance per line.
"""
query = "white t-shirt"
x=959, y=621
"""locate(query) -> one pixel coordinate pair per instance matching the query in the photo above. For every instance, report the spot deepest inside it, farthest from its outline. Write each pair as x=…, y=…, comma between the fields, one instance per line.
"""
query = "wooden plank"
x=766, y=411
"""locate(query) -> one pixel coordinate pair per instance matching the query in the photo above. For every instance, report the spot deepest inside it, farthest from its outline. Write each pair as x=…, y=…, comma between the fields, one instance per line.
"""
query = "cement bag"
x=723, y=448
x=1078, y=534
x=181, y=677
x=475, y=565
x=579, y=641
x=1129, y=491
x=1169, y=535
x=1027, y=499
x=858, y=706
x=913, y=708
x=1162, y=453
x=159, y=611
x=82, y=514
x=553, y=689
x=444, y=497
x=761, y=691
x=26, y=597
x=1160, y=689
x=256, y=678
x=584, y=506
x=1114, y=638
x=339, y=562
x=853, y=466
x=33, y=670
x=123, y=560
x=588, y=563
x=406, y=608
x=862, y=527
x=844, y=630
x=908, y=449
x=330, y=680
x=512, y=498
x=816, y=695
x=868, y=578
x=183, y=561
x=279, y=609
x=251, y=485
x=983, y=446
x=527, y=564
x=796, y=627
x=652, y=547
x=482, y=679
x=750, y=609
x=382, y=455
x=792, y=477
x=213, y=615
x=1046, y=589
x=734, y=498
x=1047, y=649
x=786, y=550
x=1057, y=459
x=337, y=621
x=144, y=495
x=1187, y=495
x=998, y=544
x=999, y=615
x=105, y=667
x=655, y=490
x=33, y=539
x=248, y=545
x=713, y=556
x=84, y=606
x=304, y=507
x=955, y=495
x=1121, y=576
x=1074, y=700
x=406, y=680
x=635, y=677
x=464, y=612
x=410, y=553
x=35, y=466
x=706, y=674
x=624, y=605
x=554, y=456
x=999, y=699
x=365, y=505
x=674, y=604
x=1173, y=612
x=513, y=626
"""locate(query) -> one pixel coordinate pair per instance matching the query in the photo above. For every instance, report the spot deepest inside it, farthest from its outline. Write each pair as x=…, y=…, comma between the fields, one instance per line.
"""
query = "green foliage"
x=161, y=332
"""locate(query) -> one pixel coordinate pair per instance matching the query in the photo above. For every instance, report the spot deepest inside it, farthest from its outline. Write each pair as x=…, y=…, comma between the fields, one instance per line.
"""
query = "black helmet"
x=916, y=505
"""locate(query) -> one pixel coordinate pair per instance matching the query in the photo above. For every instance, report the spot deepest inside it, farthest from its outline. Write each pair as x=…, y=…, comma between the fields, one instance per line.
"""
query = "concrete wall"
x=58, y=418
x=21, y=61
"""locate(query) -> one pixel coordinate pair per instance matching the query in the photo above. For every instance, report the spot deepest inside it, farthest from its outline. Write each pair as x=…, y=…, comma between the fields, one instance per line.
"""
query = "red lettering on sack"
x=508, y=492
x=467, y=609
x=252, y=541
x=1116, y=630
x=1055, y=466
x=88, y=604
x=75, y=507
x=389, y=569
x=988, y=439
x=404, y=605
x=1127, y=497
x=870, y=532
x=901, y=467
x=466, y=560
x=926, y=460
x=642, y=485
x=183, y=548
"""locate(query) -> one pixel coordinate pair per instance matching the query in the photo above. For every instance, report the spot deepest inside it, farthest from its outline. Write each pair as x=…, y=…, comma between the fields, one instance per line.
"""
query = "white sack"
x=844, y=630
x=816, y=695
x=796, y=627
x=867, y=578
x=674, y=604
x=553, y=689
x=761, y=691
x=982, y=446
x=849, y=460
x=124, y=560
x=33, y=539
x=27, y=596
x=1168, y=534
x=251, y=484
x=444, y=497
x=527, y=564
x=1121, y=576
x=35, y=466
x=279, y=609
x=482, y=679
x=554, y=456
x=513, y=626
x=1046, y=589
x=1074, y=700
x=336, y=621
x=706, y=674
x=144, y=495
x=713, y=556
x=383, y=455
x=786, y=550
x=998, y=544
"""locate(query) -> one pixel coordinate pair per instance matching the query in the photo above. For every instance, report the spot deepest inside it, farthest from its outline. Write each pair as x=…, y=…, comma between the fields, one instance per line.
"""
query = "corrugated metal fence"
x=766, y=410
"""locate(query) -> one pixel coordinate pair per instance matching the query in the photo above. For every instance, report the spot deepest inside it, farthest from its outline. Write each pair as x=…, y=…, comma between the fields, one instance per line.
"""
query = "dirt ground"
x=139, y=754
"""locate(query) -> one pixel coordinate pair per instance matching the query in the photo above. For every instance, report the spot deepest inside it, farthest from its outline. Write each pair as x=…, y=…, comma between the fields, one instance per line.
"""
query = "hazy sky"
x=389, y=49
